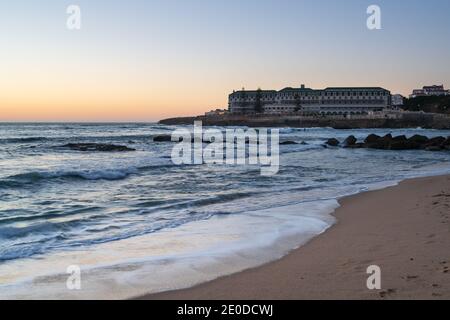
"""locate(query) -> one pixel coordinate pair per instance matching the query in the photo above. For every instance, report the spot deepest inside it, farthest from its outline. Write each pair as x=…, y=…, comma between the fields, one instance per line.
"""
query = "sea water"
x=135, y=223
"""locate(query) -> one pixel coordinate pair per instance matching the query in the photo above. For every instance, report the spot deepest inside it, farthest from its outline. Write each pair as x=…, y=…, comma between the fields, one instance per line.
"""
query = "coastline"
x=395, y=121
x=403, y=229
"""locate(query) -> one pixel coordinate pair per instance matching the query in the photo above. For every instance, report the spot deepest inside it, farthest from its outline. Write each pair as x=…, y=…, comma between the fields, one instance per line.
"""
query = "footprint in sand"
x=384, y=294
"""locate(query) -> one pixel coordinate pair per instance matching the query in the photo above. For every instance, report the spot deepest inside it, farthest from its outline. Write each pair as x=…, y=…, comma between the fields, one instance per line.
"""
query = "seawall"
x=401, y=120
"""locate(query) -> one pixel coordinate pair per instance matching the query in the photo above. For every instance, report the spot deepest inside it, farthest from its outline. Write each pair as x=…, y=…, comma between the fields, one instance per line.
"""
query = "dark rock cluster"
x=102, y=147
x=168, y=138
x=162, y=138
x=388, y=142
x=288, y=142
x=333, y=142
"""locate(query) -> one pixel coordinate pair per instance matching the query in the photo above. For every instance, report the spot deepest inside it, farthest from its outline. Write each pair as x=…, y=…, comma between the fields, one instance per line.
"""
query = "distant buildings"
x=329, y=101
x=397, y=100
x=217, y=112
x=430, y=91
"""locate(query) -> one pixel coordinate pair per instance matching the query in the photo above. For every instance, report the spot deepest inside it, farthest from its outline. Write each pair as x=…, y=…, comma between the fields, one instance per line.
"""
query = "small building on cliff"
x=397, y=100
x=434, y=90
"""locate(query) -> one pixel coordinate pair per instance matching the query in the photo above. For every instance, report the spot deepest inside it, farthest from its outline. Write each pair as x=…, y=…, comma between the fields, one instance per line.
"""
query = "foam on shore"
x=171, y=259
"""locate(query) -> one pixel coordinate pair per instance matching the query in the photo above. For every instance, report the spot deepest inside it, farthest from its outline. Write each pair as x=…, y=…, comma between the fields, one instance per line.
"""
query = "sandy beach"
x=405, y=230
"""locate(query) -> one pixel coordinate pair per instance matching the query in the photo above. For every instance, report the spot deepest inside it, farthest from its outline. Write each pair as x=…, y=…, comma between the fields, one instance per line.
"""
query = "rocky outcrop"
x=100, y=147
x=162, y=138
x=418, y=139
x=288, y=142
x=371, y=138
x=376, y=142
x=436, y=142
x=168, y=138
x=332, y=142
x=350, y=141
x=388, y=142
x=446, y=144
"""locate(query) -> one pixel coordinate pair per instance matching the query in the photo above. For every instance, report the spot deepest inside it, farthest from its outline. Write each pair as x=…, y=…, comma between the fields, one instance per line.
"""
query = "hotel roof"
x=288, y=89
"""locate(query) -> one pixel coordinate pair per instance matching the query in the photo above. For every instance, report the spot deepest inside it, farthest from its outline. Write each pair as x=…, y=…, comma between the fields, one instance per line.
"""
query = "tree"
x=298, y=104
x=244, y=103
x=258, y=103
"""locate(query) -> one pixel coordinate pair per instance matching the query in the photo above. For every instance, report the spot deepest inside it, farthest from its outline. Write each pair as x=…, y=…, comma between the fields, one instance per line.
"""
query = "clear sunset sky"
x=145, y=60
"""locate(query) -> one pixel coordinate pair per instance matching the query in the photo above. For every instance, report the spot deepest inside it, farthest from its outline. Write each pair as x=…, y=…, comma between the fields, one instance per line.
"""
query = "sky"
x=144, y=60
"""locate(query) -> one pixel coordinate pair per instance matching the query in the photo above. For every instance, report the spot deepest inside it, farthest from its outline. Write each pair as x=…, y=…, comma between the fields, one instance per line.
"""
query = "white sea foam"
x=172, y=258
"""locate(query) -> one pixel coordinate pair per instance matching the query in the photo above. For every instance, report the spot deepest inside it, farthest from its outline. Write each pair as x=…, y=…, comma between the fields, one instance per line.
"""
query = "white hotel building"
x=329, y=101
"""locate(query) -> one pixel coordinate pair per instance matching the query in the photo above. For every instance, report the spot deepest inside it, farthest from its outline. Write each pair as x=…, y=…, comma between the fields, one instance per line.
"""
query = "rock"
x=446, y=142
x=162, y=138
x=414, y=145
x=332, y=142
x=378, y=143
x=350, y=141
x=97, y=147
x=400, y=142
x=371, y=138
x=399, y=145
x=400, y=138
x=417, y=142
x=303, y=143
x=388, y=142
x=288, y=142
x=435, y=142
x=418, y=139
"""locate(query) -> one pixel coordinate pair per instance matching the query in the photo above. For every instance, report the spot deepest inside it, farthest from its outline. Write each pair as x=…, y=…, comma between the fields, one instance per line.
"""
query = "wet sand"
x=405, y=230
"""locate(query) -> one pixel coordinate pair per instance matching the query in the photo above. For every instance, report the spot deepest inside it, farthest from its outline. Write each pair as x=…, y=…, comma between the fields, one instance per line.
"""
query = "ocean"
x=136, y=223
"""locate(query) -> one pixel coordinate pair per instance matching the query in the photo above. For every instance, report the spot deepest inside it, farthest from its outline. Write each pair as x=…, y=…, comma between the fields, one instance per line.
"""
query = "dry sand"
x=405, y=230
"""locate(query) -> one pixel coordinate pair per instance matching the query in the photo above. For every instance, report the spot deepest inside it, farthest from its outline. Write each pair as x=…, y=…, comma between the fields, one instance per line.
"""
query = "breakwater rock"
x=388, y=142
x=99, y=147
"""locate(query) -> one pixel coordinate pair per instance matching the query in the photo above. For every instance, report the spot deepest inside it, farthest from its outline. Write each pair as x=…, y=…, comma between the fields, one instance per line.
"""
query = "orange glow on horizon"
x=102, y=103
